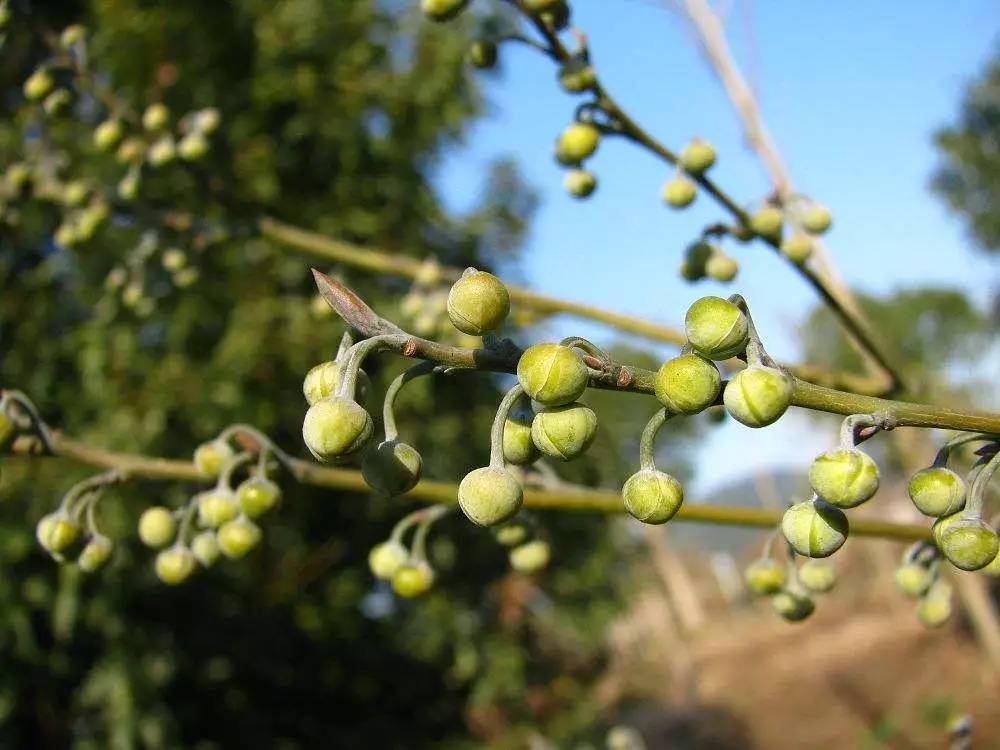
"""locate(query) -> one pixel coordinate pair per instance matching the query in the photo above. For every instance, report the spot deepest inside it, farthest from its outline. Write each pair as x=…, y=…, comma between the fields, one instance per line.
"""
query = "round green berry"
x=721, y=267
x=845, y=477
x=792, y=605
x=391, y=467
x=483, y=54
x=552, y=374
x=162, y=152
x=38, y=85
x=758, y=395
x=57, y=102
x=687, y=384
x=530, y=557
x=934, y=608
x=815, y=528
x=518, y=447
x=95, y=554
x=937, y=491
x=992, y=568
x=564, y=432
x=257, y=495
x=511, y=533
x=130, y=151
x=237, y=537
x=577, y=142
x=580, y=183
x=697, y=254
x=413, y=579
x=156, y=117
x=652, y=496
x=698, y=156
x=57, y=532
x=207, y=120
x=768, y=222
x=679, y=192
x=321, y=382
x=797, y=248
x=816, y=219
x=157, y=527
x=489, y=495
x=717, y=329
x=217, y=506
x=913, y=579
x=72, y=35
x=969, y=544
x=387, y=558
x=128, y=187
x=577, y=76
x=478, y=303
x=336, y=427
x=193, y=146
x=818, y=576
x=211, y=457
x=175, y=565
x=205, y=547
x=765, y=576
x=442, y=10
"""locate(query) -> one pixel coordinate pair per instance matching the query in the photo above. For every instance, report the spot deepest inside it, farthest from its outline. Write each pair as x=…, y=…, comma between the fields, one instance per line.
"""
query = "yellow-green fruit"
x=205, y=547
x=413, y=580
x=162, y=152
x=175, y=565
x=652, y=496
x=321, y=382
x=679, y=192
x=483, y=54
x=817, y=219
x=577, y=76
x=913, y=579
x=442, y=10
x=155, y=117
x=211, y=457
x=207, y=120
x=95, y=554
x=758, y=395
x=937, y=491
x=768, y=222
x=577, y=142
x=17, y=176
x=511, y=534
x=792, y=605
x=387, y=558
x=72, y=35
x=717, y=329
x=478, y=303
x=552, y=374
x=38, y=85
x=128, y=187
x=687, y=384
x=942, y=524
x=845, y=477
x=818, y=576
x=698, y=156
x=564, y=432
x=257, y=495
x=217, y=506
x=174, y=259
x=391, y=467
x=624, y=737
x=934, y=609
x=75, y=193
x=237, y=537
x=130, y=151
x=8, y=432
x=969, y=544
x=489, y=495
x=721, y=267
x=992, y=568
x=57, y=102
x=530, y=557
x=157, y=527
x=193, y=146
x=580, y=183
x=797, y=248
x=336, y=427
x=765, y=576
x=518, y=447
x=814, y=528
x=57, y=532
x=696, y=256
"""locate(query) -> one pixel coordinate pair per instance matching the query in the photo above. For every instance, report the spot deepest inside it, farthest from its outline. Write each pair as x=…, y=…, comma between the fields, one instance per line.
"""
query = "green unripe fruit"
x=442, y=10
x=72, y=35
x=934, y=609
x=696, y=255
x=942, y=524
x=130, y=151
x=216, y=507
x=689, y=272
x=580, y=183
x=518, y=447
x=75, y=193
x=237, y=537
x=8, y=432
x=511, y=534
x=564, y=432
x=391, y=467
x=679, y=192
x=793, y=606
x=38, y=85
x=175, y=565
x=257, y=495
x=483, y=54
x=95, y=554
x=205, y=547
x=321, y=382
x=797, y=248
x=721, y=267
x=489, y=495
x=530, y=557
x=913, y=579
x=193, y=146
x=17, y=177
x=207, y=120
x=717, y=329
x=412, y=580
x=768, y=222
x=969, y=544
x=57, y=102
x=386, y=559
x=577, y=142
x=128, y=187
x=577, y=76
x=624, y=738
x=4, y=16
x=336, y=427
x=57, y=532
x=818, y=576
x=552, y=374
x=652, y=496
x=815, y=528
x=845, y=477
x=162, y=152
x=758, y=395
x=937, y=491
x=174, y=259
x=765, y=577
x=687, y=384
x=478, y=303
x=992, y=568
x=157, y=527
x=155, y=117
x=697, y=157
x=817, y=219
x=211, y=457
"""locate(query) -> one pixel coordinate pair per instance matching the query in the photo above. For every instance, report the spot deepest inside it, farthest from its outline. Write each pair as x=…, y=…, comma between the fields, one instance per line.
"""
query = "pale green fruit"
x=237, y=537
x=57, y=532
x=257, y=495
x=489, y=496
x=518, y=447
x=75, y=193
x=478, y=303
x=696, y=257
x=818, y=576
x=652, y=496
x=392, y=467
x=174, y=259
x=205, y=547
x=792, y=605
x=758, y=395
x=511, y=533
x=321, y=382
x=57, y=102
x=211, y=457
x=721, y=267
x=552, y=374
x=765, y=576
x=580, y=183
x=442, y=10
x=483, y=54
x=413, y=579
x=193, y=146
x=797, y=248
x=913, y=579
x=128, y=187
x=815, y=528
x=969, y=544
x=937, y=491
x=336, y=427
x=157, y=527
x=130, y=151
x=577, y=142
x=687, y=384
x=577, y=76
x=768, y=222
x=530, y=557
x=207, y=120
x=175, y=565
x=992, y=568
x=155, y=117
x=934, y=608
x=679, y=192
x=387, y=558
x=95, y=554
x=162, y=152
x=717, y=329
x=845, y=477
x=217, y=506
x=816, y=219
x=38, y=85
x=698, y=156
x=564, y=432
x=72, y=35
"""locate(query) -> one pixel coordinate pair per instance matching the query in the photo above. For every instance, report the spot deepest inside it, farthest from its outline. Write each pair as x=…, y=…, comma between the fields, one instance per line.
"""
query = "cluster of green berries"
x=791, y=596
x=696, y=158
x=707, y=260
x=918, y=577
x=527, y=552
x=407, y=569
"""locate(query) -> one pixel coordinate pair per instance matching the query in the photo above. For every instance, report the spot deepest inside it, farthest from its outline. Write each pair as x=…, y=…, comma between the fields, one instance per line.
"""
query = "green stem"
x=648, y=439
x=496, y=433
x=977, y=495
x=353, y=359
x=388, y=416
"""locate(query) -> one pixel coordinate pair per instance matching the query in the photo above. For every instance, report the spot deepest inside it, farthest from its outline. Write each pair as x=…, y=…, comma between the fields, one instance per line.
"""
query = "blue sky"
x=851, y=93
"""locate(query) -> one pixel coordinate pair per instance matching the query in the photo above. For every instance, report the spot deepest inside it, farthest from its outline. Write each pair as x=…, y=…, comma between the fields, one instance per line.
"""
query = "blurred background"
x=363, y=121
